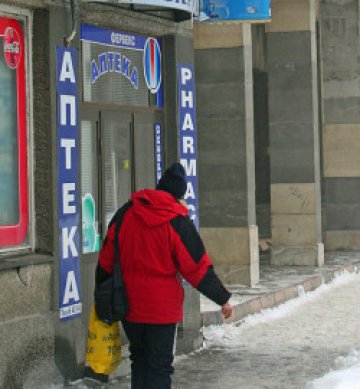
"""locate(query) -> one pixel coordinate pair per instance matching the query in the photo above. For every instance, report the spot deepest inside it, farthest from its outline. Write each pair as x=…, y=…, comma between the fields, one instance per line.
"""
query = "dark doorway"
x=117, y=158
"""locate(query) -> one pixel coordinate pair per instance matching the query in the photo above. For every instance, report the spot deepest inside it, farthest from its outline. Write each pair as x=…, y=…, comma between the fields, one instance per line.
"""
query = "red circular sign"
x=12, y=47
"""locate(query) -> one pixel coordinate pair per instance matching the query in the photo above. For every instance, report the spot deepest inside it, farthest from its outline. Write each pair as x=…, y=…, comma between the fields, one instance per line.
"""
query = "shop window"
x=117, y=164
x=90, y=196
x=13, y=154
x=106, y=177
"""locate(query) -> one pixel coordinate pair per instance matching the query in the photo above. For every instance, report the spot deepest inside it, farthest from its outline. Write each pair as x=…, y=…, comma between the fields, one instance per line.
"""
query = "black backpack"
x=110, y=295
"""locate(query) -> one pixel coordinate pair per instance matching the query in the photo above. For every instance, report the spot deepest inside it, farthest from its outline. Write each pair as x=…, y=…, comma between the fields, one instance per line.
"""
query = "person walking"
x=158, y=241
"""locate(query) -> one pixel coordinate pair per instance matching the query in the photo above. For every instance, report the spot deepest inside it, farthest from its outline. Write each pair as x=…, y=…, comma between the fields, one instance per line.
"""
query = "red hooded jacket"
x=158, y=241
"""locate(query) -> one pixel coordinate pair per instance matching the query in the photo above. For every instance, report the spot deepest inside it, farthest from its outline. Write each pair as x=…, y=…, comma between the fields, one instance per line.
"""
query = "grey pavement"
x=283, y=353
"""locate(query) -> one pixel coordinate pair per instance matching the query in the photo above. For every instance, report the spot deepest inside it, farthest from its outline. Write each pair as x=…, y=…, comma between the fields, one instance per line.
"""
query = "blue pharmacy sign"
x=120, y=56
x=187, y=132
x=67, y=150
x=212, y=10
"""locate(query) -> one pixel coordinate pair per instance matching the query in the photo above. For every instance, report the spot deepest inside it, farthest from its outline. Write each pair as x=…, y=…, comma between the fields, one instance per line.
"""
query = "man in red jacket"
x=158, y=241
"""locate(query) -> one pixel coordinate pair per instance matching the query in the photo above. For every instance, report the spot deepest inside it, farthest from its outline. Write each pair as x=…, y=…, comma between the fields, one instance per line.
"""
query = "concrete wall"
x=26, y=325
x=339, y=33
x=221, y=133
x=27, y=318
x=224, y=128
x=31, y=336
x=295, y=163
x=229, y=249
x=221, y=125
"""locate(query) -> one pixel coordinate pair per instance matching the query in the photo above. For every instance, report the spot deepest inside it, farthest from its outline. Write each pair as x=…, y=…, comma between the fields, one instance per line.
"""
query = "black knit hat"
x=173, y=181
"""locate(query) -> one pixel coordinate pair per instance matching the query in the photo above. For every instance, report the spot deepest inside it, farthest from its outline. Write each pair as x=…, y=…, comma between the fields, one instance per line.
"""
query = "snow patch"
x=229, y=335
x=346, y=377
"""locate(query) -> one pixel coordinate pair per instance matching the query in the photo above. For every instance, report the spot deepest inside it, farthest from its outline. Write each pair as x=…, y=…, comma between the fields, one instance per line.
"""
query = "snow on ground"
x=227, y=335
x=346, y=373
x=286, y=347
x=346, y=377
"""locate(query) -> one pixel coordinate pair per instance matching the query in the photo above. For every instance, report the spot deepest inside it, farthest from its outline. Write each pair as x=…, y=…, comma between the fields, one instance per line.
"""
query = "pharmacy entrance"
x=120, y=134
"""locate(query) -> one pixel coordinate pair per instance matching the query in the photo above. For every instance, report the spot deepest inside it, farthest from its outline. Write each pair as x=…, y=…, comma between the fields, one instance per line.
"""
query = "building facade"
x=90, y=114
x=278, y=117
x=84, y=124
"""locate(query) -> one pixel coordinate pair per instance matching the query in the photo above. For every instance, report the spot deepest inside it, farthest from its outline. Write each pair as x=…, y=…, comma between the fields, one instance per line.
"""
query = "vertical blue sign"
x=67, y=150
x=158, y=151
x=187, y=132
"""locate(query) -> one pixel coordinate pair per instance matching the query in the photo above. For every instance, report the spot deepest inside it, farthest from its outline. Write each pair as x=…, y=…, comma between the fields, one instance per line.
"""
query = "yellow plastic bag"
x=103, y=353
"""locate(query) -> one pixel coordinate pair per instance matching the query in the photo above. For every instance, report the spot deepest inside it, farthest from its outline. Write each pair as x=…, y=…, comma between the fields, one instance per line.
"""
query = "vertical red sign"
x=14, y=56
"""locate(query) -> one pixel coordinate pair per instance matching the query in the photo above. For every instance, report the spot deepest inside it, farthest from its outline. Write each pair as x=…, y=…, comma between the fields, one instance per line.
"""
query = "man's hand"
x=227, y=310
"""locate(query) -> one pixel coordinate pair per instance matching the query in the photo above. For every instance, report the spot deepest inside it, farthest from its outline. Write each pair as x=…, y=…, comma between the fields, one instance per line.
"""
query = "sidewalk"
x=279, y=284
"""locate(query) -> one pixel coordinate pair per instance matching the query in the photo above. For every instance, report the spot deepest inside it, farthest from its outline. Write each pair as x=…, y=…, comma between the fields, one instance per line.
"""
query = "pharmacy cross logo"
x=12, y=47
x=152, y=64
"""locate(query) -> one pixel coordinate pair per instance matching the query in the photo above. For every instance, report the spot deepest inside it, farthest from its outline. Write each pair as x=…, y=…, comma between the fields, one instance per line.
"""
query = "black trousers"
x=152, y=354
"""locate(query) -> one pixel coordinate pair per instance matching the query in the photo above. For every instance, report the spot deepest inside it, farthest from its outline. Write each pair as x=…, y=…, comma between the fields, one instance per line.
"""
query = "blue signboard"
x=67, y=150
x=111, y=38
x=134, y=57
x=158, y=151
x=212, y=10
x=187, y=132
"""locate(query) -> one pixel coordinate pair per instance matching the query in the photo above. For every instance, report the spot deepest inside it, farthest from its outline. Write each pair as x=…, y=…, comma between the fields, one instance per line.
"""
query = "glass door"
x=90, y=165
x=117, y=156
x=91, y=194
x=144, y=150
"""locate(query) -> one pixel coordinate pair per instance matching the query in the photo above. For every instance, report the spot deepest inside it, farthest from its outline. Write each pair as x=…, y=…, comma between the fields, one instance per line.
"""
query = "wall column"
x=294, y=134
x=224, y=87
x=339, y=32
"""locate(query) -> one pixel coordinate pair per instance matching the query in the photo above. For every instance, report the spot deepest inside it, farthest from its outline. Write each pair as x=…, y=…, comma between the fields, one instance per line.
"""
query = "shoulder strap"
x=117, y=219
